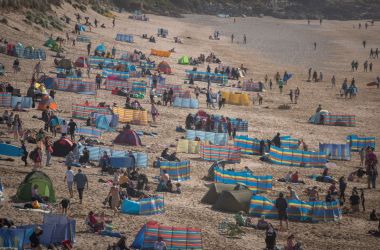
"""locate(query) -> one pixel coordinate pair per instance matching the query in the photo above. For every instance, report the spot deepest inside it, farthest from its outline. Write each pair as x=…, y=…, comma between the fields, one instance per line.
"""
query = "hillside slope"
x=296, y=9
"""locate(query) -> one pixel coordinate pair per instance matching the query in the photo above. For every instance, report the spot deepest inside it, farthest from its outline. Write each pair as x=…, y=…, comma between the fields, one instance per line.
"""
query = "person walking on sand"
x=260, y=98
x=370, y=66
x=333, y=81
x=154, y=112
x=80, y=180
x=245, y=39
x=364, y=43
x=315, y=46
x=309, y=77
x=282, y=205
x=297, y=93
x=89, y=48
x=232, y=38
x=291, y=95
x=113, y=22
x=371, y=168
x=365, y=66
x=69, y=179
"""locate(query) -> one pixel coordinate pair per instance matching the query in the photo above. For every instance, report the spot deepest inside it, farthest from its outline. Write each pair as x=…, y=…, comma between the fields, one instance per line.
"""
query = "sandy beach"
x=273, y=45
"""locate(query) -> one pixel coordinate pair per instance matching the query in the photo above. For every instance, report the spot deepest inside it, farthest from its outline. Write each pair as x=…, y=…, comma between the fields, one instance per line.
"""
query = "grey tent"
x=65, y=64
x=233, y=201
x=215, y=189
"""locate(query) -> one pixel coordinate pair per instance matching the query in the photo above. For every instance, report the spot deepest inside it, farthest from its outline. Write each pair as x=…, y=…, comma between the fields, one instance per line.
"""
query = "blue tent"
x=103, y=123
x=101, y=48
x=82, y=27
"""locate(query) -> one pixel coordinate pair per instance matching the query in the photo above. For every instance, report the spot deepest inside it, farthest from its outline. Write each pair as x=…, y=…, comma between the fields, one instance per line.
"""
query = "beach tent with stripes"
x=184, y=238
x=357, y=143
x=146, y=206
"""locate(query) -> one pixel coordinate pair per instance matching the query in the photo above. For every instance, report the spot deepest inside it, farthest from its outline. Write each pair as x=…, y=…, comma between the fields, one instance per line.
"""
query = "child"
x=65, y=203
x=178, y=188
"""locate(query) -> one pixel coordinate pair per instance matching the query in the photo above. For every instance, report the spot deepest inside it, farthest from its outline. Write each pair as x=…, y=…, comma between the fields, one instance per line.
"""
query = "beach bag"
x=33, y=155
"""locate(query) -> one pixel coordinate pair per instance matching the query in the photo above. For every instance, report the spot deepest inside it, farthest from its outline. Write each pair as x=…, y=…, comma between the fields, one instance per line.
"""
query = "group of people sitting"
x=205, y=122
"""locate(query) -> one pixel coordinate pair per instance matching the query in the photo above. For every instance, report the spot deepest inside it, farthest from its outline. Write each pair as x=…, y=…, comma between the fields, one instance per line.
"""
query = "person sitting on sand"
x=93, y=222
x=242, y=219
x=313, y=194
x=292, y=194
x=270, y=237
x=35, y=195
x=373, y=216
x=164, y=179
x=104, y=162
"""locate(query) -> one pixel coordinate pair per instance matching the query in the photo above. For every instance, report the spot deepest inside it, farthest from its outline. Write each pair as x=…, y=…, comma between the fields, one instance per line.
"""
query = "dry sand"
x=273, y=45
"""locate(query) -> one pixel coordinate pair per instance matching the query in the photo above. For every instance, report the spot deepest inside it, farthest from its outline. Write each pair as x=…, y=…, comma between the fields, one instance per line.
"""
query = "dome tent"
x=164, y=67
x=184, y=60
x=65, y=64
x=81, y=62
x=101, y=48
x=45, y=187
x=233, y=201
x=128, y=137
x=62, y=147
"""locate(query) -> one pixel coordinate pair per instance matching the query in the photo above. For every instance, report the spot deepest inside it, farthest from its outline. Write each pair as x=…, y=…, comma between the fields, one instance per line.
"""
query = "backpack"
x=33, y=154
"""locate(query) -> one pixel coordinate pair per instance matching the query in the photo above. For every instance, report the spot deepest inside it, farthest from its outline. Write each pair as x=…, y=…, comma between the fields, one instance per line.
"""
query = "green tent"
x=215, y=189
x=51, y=43
x=45, y=187
x=184, y=60
x=233, y=201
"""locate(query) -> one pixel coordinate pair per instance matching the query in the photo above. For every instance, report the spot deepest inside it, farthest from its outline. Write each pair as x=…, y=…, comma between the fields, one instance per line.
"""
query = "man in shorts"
x=282, y=205
x=69, y=178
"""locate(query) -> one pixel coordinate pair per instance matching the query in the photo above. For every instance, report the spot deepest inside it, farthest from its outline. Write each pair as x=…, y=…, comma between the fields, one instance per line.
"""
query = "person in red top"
x=94, y=223
x=371, y=167
x=294, y=177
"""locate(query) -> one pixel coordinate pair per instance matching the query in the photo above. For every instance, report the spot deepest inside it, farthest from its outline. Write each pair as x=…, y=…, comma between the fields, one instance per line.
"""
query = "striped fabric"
x=83, y=39
x=188, y=146
x=120, y=84
x=95, y=61
x=97, y=152
x=240, y=125
x=357, y=143
x=336, y=151
x=254, y=183
x=5, y=99
x=81, y=111
x=252, y=86
x=215, y=138
x=35, y=54
x=25, y=102
x=124, y=38
x=178, y=171
x=160, y=53
x=147, y=65
x=139, y=87
x=76, y=85
x=160, y=80
x=119, y=74
x=152, y=205
x=289, y=142
x=339, y=120
x=145, y=206
x=216, y=153
x=176, y=238
x=318, y=211
x=297, y=158
x=19, y=49
x=89, y=131
x=177, y=89
x=251, y=146
x=186, y=103
x=138, y=117
x=205, y=76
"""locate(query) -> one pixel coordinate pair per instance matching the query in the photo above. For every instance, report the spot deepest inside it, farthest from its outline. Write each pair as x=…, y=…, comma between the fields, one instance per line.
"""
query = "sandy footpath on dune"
x=273, y=45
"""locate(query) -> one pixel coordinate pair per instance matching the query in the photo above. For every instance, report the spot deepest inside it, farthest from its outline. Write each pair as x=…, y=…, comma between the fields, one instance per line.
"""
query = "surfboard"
x=10, y=150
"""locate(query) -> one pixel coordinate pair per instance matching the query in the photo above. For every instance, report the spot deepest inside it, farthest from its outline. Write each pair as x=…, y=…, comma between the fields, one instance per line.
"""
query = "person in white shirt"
x=292, y=194
x=69, y=178
x=160, y=244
